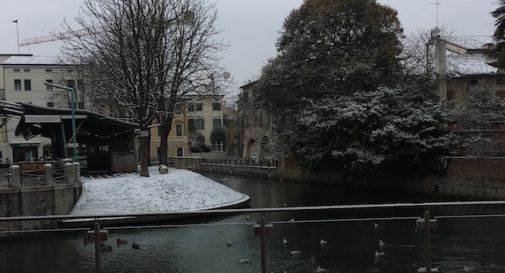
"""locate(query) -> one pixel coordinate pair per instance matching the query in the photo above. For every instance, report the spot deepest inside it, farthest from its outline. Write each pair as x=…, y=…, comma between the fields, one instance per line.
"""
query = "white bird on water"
x=323, y=242
x=284, y=241
x=376, y=226
x=295, y=252
x=467, y=268
x=381, y=244
x=320, y=270
x=244, y=261
x=378, y=254
x=228, y=243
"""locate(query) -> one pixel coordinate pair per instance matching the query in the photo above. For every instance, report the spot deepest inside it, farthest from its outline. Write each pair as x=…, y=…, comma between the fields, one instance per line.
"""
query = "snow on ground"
x=179, y=190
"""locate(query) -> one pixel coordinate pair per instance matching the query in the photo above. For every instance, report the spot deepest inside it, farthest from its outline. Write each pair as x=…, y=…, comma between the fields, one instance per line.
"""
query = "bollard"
x=68, y=171
x=48, y=174
x=15, y=176
x=77, y=172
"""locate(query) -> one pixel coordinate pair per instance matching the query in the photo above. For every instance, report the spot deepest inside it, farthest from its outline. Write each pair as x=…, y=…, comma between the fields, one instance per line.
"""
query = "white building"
x=22, y=80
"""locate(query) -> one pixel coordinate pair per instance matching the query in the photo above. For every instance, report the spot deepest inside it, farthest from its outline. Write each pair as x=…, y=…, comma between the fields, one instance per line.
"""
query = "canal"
x=228, y=244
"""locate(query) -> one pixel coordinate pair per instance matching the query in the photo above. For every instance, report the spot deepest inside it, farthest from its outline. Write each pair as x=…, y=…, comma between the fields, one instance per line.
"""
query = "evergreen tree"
x=498, y=53
x=332, y=47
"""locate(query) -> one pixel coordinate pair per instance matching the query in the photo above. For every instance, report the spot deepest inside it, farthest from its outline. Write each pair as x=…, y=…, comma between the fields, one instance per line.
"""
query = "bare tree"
x=123, y=46
x=190, y=61
x=144, y=57
x=418, y=54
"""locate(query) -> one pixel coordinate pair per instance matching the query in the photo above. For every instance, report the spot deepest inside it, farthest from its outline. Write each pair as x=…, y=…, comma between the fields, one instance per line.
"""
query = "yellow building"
x=192, y=125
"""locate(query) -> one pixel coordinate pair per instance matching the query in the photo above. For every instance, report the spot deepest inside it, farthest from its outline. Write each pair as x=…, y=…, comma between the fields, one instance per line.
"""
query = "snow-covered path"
x=179, y=190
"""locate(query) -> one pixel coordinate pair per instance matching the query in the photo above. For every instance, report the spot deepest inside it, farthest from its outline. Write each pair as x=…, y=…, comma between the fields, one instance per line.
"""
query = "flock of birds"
x=323, y=244
x=119, y=242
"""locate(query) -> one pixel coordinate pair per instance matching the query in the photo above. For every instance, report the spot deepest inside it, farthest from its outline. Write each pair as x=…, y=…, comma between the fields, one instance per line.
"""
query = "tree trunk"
x=144, y=154
x=164, y=132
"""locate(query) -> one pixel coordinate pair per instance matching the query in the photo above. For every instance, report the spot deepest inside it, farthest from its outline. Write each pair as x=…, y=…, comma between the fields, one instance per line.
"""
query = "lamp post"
x=73, y=98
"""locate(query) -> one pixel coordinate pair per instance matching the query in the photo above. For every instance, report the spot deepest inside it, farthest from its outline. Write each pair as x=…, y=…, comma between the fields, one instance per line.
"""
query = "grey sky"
x=250, y=27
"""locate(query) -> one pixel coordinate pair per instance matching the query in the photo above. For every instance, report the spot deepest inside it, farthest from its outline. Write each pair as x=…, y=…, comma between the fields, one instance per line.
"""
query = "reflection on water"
x=475, y=245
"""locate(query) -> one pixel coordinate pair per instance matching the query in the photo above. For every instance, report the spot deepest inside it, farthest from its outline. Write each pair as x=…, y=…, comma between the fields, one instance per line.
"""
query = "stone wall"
x=39, y=200
x=465, y=177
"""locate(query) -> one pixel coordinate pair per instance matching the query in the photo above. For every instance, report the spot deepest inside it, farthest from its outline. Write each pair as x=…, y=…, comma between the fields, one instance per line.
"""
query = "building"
x=194, y=120
x=231, y=126
x=256, y=125
x=462, y=67
x=22, y=80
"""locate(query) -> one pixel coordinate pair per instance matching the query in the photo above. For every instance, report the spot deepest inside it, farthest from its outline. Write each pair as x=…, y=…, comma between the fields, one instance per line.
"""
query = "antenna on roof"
x=437, y=5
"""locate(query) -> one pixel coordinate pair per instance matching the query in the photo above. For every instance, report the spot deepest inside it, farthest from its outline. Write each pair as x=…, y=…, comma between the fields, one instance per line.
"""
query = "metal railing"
x=424, y=217
x=240, y=162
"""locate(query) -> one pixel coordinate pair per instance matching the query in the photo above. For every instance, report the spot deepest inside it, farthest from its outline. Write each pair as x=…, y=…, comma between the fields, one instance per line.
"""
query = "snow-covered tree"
x=471, y=119
x=386, y=128
x=498, y=52
x=330, y=47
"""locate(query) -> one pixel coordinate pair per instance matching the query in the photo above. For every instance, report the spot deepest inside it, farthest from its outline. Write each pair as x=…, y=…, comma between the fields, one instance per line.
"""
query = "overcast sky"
x=250, y=27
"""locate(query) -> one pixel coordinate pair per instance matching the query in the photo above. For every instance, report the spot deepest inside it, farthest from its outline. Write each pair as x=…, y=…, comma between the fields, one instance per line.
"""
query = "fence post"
x=15, y=176
x=426, y=225
x=263, y=230
x=98, y=248
x=48, y=174
x=68, y=171
x=77, y=172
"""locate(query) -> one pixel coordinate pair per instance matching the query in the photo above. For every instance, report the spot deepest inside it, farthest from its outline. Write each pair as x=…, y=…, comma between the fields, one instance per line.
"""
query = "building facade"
x=22, y=81
x=194, y=120
x=257, y=135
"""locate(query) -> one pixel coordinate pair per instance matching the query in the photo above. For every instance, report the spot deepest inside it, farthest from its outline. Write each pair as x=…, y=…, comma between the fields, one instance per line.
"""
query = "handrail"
x=255, y=210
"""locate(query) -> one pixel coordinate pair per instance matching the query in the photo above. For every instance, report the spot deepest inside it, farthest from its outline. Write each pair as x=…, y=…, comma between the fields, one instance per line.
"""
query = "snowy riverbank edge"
x=177, y=191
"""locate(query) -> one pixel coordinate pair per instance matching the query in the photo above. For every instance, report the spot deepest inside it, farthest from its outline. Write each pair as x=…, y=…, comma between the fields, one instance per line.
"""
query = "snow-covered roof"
x=470, y=42
x=474, y=62
x=469, y=64
x=35, y=60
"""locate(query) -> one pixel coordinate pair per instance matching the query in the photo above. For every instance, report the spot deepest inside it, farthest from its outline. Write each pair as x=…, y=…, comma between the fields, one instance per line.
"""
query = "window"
x=28, y=85
x=216, y=106
x=191, y=124
x=49, y=70
x=26, y=70
x=50, y=104
x=71, y=83
x=80, y=86
x=199, y=106
x=178, y=130
x=451, y=95
x=190, y=107
x=48, y=87
x=199, y=124
x=17, y=84
x=16, y=70
x=217, y=123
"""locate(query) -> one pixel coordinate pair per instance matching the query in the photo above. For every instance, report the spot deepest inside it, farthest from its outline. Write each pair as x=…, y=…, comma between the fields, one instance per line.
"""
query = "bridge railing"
x=272, y=163
x=38, y=173
x=422, y=218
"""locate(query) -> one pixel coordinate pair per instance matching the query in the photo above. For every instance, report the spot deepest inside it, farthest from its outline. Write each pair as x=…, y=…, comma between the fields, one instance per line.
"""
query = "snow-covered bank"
x=179, y=190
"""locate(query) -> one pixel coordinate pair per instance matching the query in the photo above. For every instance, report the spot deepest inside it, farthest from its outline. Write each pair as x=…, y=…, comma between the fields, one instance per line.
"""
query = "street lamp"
x=73, y=98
